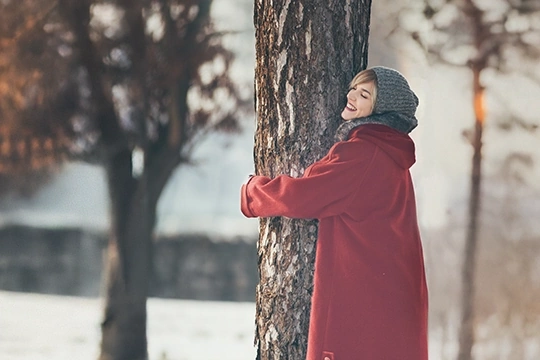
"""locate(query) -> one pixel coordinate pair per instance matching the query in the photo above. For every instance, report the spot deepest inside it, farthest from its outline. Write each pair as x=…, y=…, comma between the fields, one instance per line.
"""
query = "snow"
x=39, y=327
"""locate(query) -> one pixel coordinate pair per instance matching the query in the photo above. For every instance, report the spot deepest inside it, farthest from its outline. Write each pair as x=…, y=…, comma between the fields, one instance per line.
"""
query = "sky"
x=205, y=198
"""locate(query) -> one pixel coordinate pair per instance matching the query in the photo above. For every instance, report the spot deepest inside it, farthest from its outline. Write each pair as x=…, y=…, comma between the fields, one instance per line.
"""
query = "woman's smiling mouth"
x=350, y=107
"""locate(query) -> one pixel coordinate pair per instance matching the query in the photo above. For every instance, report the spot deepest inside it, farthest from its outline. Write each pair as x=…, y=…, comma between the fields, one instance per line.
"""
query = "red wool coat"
x=370, y=294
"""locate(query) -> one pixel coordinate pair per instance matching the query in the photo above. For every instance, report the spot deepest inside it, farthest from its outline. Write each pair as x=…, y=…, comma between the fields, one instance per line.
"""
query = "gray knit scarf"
x=397, y=121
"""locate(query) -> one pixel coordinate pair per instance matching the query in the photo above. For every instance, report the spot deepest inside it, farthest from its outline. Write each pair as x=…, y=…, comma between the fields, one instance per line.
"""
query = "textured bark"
x=307, y=52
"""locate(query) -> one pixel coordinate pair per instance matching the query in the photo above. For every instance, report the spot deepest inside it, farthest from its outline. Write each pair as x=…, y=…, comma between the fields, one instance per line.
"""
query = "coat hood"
x=397, y=145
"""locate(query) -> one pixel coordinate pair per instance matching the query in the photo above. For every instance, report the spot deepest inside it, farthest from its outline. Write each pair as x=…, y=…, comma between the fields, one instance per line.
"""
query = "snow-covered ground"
x=46, y=327
x=50, y=327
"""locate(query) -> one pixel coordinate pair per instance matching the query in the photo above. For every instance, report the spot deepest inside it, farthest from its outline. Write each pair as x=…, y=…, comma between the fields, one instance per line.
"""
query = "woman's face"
x=359, y=102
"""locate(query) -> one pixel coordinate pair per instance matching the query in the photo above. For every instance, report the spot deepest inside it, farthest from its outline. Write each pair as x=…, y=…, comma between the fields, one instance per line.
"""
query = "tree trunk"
x=128, y=262
x=307, y=52
x=466, y=333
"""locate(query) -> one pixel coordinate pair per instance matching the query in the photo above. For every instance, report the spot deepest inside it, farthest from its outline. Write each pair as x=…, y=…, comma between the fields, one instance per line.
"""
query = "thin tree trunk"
x=128, y=262
x=307, y=52
x=466, y=333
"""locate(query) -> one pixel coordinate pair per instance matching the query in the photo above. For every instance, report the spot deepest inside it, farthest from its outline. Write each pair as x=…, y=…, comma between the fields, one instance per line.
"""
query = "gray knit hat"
x=394, y=94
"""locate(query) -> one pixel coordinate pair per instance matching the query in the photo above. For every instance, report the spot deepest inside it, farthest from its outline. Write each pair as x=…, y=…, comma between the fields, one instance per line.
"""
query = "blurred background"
x=55, y=219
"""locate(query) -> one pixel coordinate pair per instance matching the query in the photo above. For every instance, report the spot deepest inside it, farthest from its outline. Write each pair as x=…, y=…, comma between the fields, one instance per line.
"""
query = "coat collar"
x=397, y=121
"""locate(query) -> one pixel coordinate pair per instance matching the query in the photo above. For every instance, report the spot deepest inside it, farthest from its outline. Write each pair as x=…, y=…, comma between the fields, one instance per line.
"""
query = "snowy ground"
x=48, y=327
x=39, y=327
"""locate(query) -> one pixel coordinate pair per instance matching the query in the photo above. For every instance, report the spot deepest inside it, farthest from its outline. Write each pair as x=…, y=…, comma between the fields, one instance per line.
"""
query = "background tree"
x=130, y=85
x=498, y=36
x=306, y=54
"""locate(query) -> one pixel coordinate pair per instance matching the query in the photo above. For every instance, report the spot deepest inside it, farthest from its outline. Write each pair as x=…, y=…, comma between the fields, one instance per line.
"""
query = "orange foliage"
x=19, y=152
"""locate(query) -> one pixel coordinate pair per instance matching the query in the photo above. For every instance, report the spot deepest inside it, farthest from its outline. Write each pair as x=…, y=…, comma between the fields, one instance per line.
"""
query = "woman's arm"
x=325, y=191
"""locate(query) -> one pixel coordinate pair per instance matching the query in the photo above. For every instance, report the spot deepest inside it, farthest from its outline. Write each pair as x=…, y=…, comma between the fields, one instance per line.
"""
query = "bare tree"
x=306, y=54
x=477, y=35
x=110, y=82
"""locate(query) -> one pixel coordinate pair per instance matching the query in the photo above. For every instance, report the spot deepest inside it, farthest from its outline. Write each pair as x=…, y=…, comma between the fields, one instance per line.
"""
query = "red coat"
x=370, y=294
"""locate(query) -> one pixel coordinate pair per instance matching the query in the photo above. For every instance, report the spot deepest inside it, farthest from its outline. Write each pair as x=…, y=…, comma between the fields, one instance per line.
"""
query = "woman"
x=370, y=294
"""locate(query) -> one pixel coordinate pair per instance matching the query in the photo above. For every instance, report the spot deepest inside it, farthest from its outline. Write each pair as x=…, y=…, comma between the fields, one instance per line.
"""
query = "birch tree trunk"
x=307, y=51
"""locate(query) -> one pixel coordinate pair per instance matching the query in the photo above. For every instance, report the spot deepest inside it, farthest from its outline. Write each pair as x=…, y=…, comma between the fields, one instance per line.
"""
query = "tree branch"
x=77, y=14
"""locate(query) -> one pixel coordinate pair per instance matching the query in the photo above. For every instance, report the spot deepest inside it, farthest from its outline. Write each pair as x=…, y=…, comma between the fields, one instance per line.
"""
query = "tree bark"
x=468, y=277
x=307, y=52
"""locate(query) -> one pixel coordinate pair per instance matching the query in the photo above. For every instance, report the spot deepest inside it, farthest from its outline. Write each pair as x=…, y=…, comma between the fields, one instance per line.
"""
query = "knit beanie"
x=393, y=93
x=395, y=105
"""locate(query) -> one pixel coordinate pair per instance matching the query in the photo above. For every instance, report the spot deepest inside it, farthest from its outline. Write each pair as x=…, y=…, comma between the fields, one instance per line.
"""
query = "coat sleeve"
x=325, y=190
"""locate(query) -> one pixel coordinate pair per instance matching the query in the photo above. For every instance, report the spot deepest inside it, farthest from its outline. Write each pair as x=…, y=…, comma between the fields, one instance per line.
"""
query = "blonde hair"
x=364, y=77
